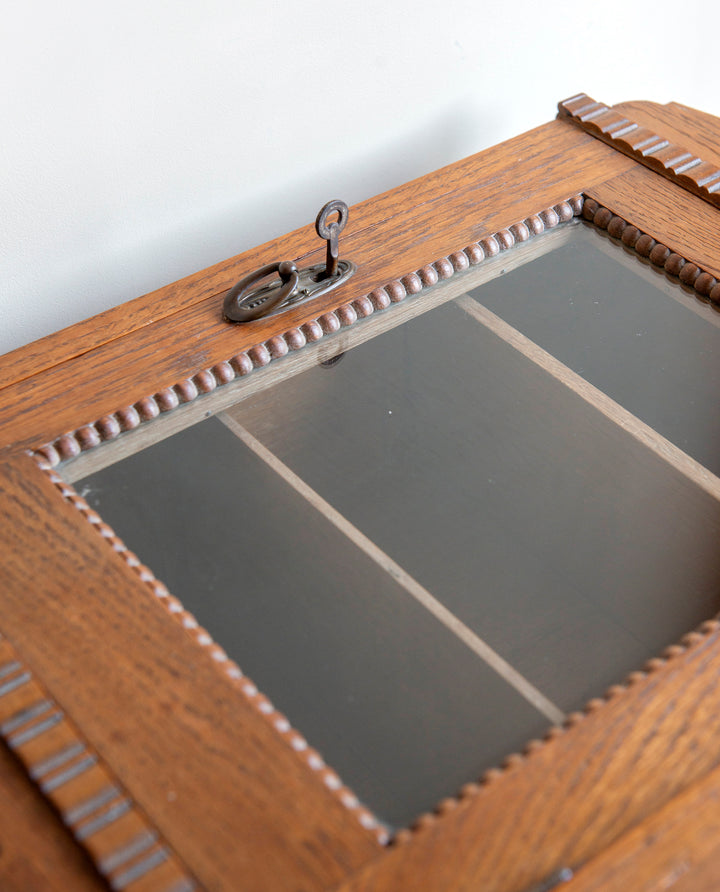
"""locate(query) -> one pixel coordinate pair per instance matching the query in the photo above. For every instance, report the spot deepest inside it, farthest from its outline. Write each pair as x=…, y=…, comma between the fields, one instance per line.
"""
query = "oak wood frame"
x=238, y=798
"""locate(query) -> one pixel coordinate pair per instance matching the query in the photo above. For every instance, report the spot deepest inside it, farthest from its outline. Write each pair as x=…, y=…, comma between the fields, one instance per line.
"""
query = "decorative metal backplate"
x=244, y=303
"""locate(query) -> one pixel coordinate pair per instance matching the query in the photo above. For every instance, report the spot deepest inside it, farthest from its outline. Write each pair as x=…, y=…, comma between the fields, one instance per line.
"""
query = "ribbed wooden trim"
x=280, y=724
x=125, y=847
x=71, y=444
x=644, y=145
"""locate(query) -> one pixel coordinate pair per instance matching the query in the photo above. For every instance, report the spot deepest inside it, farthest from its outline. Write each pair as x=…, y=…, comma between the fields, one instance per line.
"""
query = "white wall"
x=144, y=140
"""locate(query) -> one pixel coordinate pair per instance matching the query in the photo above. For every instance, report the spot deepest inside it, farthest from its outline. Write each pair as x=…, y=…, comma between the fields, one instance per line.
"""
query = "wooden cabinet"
x=408, y=586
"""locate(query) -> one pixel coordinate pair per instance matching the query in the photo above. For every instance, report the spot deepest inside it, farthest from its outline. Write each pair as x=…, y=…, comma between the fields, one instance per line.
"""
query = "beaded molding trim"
x=71, y=444
x=260, y=702
x=644, y=145
x=690, y=274
x=124, y=846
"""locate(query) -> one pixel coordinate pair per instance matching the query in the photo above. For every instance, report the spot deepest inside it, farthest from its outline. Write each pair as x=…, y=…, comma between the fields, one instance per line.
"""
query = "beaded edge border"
x=69, y=445
x=109, y=427
x=690, y=274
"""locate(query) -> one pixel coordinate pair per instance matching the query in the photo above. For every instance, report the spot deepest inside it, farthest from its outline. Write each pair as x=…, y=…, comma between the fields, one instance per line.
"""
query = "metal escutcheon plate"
x=242, y=305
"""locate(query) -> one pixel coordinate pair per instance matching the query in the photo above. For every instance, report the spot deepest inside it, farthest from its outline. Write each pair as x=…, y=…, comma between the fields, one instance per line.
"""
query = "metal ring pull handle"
x=247, y=300
x=242, y=304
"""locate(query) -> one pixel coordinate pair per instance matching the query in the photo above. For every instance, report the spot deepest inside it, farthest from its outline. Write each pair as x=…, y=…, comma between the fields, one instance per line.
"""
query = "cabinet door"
x=354, y=556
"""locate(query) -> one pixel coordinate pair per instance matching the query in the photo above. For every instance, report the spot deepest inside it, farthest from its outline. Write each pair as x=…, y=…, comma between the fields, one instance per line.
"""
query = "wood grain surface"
x=676, y=848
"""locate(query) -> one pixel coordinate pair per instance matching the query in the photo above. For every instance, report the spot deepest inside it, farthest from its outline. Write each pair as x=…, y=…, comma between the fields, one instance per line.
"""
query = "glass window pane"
x=429, y=549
